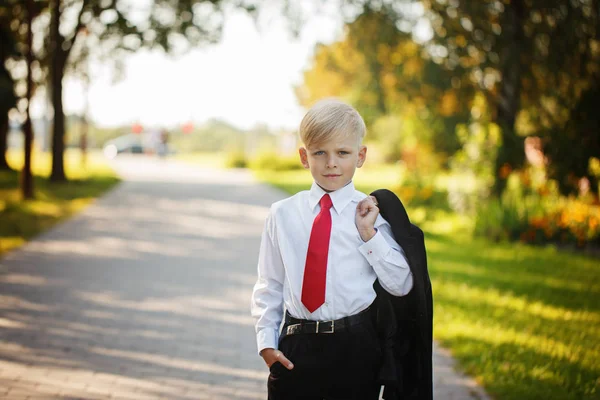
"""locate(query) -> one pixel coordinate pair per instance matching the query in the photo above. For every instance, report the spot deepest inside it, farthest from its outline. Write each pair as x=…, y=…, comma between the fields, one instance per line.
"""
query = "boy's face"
x=333, y=162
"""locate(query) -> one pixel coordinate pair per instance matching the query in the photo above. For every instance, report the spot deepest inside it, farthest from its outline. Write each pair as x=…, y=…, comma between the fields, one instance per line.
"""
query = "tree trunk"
x=3, y=142
x=26, y=177
x=59, y=58
x=511, y=153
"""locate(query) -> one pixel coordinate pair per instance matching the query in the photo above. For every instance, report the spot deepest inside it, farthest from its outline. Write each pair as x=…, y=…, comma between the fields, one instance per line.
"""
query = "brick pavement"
x=145, y=295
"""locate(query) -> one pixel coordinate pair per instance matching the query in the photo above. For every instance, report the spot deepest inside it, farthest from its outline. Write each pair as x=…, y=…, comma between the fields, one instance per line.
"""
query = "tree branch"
x=70, y=42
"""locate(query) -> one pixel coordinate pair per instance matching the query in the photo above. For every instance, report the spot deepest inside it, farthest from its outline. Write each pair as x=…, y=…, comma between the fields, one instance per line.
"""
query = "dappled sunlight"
x=508, y=302
x=42, y=381
x=145, y=294
x=536, y=279
x=480, y=343
x=182, y=339
x=180, y=363
x=196, y=217
x=110, y=250
x=480, y=324
x=29, y=280
x=9, y=302
x=10, y=324
x=517, y=313
x=496, y=334
x=545, y=276
x=191, y=306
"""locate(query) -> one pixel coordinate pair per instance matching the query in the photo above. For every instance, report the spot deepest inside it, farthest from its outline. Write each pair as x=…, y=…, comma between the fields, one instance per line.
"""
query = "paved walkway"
x=145, y=295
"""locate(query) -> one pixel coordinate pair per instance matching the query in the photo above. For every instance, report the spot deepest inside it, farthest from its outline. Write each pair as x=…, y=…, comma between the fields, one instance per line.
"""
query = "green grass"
x=22, y=220
x=523, y=320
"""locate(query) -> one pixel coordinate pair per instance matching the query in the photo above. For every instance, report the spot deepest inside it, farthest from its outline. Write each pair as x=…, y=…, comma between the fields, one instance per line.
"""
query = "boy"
x=320, y=253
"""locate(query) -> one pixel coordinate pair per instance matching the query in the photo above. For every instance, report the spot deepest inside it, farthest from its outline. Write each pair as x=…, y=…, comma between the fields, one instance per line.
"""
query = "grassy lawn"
x=523, y=320
x=54, y=202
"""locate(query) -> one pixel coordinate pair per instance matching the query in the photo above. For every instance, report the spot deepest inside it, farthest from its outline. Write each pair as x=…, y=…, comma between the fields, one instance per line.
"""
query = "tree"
x=26, y=175
x=114, y=31
x=17, y=17
x=8, y=99
x=579, y=138
x=381, y=70
x=535, y=57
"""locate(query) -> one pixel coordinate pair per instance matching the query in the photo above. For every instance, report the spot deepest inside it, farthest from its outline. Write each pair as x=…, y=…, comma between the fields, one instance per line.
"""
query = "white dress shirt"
x=352, y=266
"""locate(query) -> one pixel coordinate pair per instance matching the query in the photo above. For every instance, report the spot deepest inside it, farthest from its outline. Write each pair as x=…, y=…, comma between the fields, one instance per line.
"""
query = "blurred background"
x=483, y=116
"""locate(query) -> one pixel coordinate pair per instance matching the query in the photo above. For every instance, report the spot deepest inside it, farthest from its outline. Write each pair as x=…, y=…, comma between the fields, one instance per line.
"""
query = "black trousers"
x=337, y=366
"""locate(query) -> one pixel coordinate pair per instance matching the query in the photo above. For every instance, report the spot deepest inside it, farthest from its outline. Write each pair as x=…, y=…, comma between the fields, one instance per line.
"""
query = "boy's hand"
x=366, y=214
x=271, y=356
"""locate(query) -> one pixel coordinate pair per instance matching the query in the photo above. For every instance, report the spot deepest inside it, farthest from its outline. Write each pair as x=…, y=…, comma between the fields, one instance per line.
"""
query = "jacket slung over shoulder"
x=405, y=324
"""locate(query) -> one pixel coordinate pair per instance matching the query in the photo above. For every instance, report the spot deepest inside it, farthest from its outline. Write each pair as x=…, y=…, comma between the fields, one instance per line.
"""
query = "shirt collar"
x=340, y=198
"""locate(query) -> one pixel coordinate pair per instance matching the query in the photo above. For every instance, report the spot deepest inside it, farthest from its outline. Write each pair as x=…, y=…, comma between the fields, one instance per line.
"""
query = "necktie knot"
x=325, y=202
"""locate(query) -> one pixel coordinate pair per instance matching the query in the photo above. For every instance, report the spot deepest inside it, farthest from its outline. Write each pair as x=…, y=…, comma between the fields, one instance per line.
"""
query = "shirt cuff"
x=267, y=338
x=375, y=249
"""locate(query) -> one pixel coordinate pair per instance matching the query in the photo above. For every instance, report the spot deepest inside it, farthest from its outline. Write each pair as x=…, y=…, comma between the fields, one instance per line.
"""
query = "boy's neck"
x=331, y=191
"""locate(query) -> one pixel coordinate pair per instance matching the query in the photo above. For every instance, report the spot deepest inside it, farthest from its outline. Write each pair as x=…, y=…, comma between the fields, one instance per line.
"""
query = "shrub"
x=236, y=159
x=539, y=215
x=271, y=161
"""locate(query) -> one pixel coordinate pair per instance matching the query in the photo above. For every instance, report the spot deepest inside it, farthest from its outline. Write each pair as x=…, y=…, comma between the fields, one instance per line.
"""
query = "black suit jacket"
x=405, y=324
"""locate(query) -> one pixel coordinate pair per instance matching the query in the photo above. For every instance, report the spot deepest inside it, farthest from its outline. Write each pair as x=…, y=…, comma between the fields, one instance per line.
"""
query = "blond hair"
x=331, y=119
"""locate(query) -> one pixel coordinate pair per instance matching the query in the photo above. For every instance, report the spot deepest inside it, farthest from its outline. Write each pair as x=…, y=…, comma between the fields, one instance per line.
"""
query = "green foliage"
x=539, y=215
x=236, y=159
x=536, y=63
x=500, y=220
x=581, y=136
x=74, y=32
x=402, y=95
x=271, y=161
x=421, y=193
x=477, y=158
x=507, y=217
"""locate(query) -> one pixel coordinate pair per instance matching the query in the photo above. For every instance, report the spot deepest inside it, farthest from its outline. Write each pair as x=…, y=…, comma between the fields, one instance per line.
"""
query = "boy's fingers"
x=284, y=361
x=365, y=206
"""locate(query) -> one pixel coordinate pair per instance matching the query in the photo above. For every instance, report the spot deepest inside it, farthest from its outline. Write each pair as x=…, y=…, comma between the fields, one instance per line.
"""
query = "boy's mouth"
x=331, y=176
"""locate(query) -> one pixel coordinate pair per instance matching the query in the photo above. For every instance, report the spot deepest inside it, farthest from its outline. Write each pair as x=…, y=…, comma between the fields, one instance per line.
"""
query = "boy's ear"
x=362, y=156
x=303, y=157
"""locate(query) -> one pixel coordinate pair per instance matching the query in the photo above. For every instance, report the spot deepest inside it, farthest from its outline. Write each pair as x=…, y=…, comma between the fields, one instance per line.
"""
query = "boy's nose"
x=331, y=162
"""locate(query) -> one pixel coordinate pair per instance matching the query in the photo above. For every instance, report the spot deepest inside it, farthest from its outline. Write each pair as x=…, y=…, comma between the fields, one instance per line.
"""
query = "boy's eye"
x=318, y=153
x=344, y=152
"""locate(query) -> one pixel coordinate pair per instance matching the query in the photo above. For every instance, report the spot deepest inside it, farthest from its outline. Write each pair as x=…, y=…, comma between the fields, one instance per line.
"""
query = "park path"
x=145, y=294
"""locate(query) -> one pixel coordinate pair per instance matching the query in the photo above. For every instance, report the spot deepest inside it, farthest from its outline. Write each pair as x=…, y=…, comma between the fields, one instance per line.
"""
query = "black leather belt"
x=294, y=326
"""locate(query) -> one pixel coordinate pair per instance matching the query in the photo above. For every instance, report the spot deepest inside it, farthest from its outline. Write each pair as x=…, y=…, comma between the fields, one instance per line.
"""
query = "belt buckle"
x=291, y=329
x=332, y=328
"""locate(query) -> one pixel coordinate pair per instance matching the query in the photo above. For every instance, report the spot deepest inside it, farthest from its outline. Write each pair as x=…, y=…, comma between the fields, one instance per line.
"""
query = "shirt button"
x=370, y=252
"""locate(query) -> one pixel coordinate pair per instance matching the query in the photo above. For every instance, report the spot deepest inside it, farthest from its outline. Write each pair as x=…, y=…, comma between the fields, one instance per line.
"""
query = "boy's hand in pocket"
x=271, y=356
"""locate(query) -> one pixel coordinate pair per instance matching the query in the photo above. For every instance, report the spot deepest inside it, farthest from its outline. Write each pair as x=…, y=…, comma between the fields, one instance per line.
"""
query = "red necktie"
x=315, y=270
